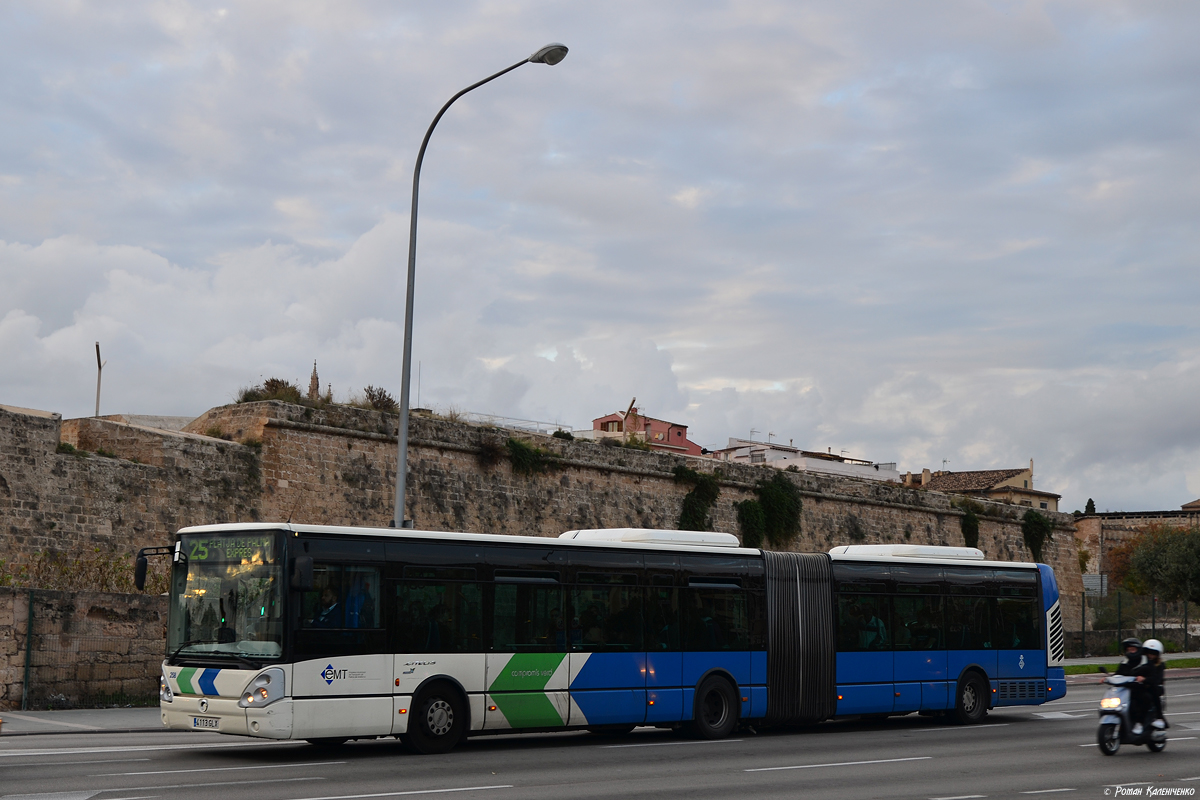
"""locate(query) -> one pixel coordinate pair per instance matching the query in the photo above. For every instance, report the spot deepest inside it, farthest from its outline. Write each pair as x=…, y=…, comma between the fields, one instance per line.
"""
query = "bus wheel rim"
x=440, y=717
x=714, y=709
x=969, y=698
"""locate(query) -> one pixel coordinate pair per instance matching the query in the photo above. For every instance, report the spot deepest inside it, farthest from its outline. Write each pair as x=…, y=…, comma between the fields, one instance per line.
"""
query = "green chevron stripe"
x=528, y=710
x=528, y=672
x=185, y=680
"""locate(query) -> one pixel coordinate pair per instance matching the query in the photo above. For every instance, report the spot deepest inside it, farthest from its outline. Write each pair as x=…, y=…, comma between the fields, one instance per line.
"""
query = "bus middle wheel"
x=437, y=721
x=716, y=709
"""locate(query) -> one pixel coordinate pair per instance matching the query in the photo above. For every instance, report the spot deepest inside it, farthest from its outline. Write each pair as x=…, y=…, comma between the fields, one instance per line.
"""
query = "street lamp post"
x=550, y=54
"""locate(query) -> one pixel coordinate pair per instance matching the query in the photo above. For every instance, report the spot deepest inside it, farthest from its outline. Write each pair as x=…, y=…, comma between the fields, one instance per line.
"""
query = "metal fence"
x=1106, y=620
x=69, y=670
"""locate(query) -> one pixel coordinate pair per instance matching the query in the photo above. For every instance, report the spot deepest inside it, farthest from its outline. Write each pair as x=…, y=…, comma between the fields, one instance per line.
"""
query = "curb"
x=77, y=732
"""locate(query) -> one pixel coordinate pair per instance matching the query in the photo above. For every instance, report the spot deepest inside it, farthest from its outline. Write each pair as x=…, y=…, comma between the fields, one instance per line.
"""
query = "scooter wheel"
x=1109, y=739
x=1156, y=747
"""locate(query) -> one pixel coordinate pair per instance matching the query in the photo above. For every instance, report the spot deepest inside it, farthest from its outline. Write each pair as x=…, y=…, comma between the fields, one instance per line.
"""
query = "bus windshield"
x=226, y=598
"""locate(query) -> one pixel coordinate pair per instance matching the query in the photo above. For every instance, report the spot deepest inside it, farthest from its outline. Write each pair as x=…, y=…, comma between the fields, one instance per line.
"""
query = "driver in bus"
x=326, y=616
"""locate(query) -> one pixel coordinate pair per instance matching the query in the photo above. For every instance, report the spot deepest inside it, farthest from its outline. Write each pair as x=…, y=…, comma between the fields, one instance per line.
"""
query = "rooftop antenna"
x=99, y=369
x=945, y=461
x=752, y=432
x=769, y=435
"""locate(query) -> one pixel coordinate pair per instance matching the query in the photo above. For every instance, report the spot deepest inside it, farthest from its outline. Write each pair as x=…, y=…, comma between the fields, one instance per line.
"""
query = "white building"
x=781, y=456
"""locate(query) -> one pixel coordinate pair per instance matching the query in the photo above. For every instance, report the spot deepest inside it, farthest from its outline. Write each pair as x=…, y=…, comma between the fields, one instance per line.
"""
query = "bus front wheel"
x=716, y=711
x=971, y=700
x=437, y=721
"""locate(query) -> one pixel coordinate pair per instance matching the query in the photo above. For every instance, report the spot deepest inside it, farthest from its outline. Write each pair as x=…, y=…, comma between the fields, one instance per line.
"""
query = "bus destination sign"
x=231, y=548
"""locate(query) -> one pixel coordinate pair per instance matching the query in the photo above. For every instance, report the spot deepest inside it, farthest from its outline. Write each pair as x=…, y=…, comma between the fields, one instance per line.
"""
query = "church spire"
x=314, y=385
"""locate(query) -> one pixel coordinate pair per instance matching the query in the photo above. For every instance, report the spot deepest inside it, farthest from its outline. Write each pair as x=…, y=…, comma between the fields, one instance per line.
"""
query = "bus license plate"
x=206, y=722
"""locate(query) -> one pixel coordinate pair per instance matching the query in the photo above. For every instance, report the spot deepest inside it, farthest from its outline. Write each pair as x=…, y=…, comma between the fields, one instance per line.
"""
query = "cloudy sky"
x=911, y=231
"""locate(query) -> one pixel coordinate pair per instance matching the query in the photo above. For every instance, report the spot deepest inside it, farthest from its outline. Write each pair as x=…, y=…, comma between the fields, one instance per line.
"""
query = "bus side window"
x=863, y=622
x=1017, y=624
x=606, y=614
x=715, y=619
x=343, y=596
x=528, y=618
x=968, y=623
x=432, y=616
x=918, y=623
x=662, y=619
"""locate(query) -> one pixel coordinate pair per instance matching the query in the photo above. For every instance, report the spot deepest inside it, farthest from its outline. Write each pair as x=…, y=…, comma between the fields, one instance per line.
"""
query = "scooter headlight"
x=1110, y=702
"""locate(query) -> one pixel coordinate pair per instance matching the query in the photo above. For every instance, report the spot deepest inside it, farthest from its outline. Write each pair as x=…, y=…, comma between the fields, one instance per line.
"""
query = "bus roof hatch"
x=653, y=536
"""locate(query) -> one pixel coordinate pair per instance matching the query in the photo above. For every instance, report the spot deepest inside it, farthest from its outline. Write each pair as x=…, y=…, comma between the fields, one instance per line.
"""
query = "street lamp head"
x=550, y=54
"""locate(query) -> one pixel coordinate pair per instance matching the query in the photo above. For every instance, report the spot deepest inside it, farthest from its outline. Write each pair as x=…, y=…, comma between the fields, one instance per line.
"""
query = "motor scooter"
x=1116, y=724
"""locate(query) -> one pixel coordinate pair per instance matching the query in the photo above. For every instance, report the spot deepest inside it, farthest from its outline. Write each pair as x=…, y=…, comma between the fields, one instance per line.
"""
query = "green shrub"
x=381, y=400
x=69, y=449
x=271, y=389
x=527, y=459
x=565, y=435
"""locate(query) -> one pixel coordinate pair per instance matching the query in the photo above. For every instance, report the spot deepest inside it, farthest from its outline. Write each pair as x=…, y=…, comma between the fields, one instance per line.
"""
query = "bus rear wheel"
x=971, y=700
x=438, y=719
x=716, y=709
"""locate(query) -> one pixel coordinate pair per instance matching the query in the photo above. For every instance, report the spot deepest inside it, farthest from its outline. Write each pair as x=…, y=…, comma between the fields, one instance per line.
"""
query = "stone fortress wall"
x=274, y=461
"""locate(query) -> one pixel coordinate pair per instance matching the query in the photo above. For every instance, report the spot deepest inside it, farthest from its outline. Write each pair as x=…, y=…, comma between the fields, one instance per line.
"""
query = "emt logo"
x=329, y=674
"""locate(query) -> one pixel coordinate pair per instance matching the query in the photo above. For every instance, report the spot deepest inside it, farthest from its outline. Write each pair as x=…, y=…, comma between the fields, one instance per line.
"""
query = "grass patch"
x=1092, y=669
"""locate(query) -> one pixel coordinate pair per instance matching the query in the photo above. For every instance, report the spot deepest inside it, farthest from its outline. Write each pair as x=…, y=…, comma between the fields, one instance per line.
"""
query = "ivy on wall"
x=693, y=514
x=1037, y=529
x=774, y=517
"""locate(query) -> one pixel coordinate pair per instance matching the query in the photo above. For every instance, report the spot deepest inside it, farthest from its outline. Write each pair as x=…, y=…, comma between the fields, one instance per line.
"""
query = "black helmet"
x=1131, y=642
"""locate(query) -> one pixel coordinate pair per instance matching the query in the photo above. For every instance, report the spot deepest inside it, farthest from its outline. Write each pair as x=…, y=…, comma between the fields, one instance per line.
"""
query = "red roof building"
x=660, y=434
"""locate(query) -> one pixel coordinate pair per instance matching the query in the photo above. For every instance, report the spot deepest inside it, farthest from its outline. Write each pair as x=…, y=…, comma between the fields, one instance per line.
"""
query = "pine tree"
x=1090, y=508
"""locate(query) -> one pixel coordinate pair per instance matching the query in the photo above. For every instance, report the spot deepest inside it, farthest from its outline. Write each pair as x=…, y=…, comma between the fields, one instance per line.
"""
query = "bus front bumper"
x=223, y=715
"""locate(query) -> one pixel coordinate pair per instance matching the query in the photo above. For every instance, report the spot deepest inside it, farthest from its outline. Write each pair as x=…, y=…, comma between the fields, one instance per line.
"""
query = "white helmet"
x=1153, y=644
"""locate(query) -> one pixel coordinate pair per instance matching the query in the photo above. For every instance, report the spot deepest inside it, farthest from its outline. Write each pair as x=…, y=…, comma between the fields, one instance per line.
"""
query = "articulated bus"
x=327, y=634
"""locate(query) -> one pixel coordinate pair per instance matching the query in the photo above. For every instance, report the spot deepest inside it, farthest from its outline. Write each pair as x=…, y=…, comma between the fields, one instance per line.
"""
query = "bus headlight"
x=1110, y=702
x=164, y=690
x=266, y=688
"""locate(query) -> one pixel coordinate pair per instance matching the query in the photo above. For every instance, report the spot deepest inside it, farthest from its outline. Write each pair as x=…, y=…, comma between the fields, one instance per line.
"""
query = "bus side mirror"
x=139, y=573
x=302, y=574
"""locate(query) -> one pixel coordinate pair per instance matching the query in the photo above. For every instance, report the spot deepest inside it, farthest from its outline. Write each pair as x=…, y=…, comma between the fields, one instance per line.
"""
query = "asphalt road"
x=1018, y=752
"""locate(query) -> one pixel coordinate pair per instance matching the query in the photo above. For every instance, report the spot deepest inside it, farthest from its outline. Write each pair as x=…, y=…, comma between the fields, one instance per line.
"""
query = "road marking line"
x=75, y=751
x=842, y=764
x=139, y=797
x=1049, y=791
x=668, y=744
x=195, y=785
x=417, y=791
x=964, y=728
x=74, y=763
x=216, y=769
x=1061, y=715
x=24, y=718
x=1197, y=778
x=960, y=797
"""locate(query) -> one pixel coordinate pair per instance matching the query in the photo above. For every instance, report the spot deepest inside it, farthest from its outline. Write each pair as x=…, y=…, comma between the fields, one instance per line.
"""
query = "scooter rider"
x=1150, y=680
x=1132, y=648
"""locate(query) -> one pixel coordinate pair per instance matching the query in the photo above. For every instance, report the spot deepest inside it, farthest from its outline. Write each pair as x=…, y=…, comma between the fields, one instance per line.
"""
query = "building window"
x=1026, y=484
x=758, y=458
x=1043, y=505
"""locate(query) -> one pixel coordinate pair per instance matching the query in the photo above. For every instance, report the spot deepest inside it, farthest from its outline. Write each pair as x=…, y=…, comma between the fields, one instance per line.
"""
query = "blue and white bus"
x=327, y=634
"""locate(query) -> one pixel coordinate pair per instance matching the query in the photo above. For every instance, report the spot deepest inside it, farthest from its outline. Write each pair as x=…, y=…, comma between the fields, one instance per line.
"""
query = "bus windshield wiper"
x=238, y=657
